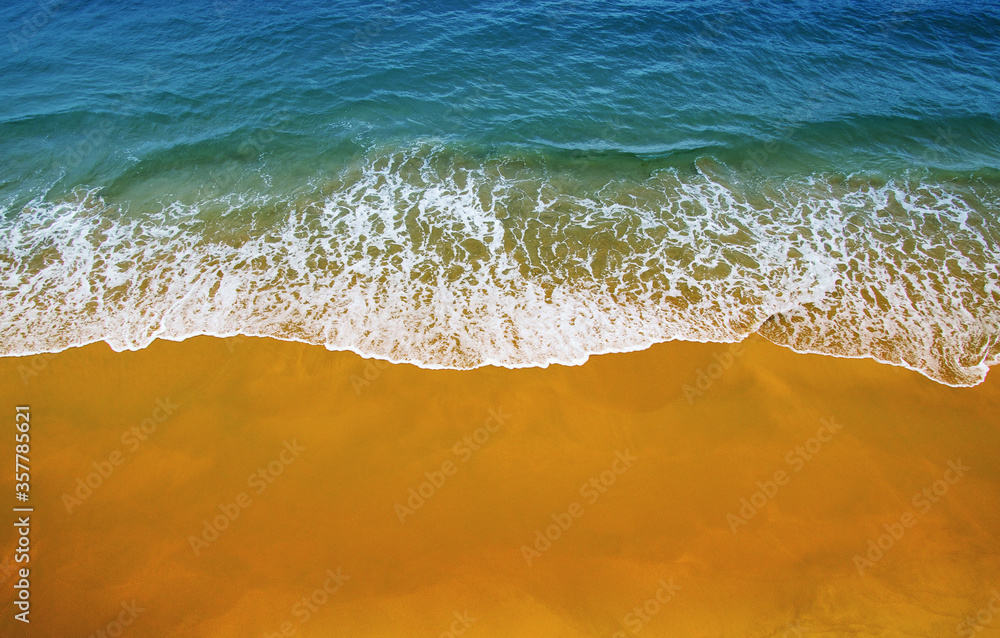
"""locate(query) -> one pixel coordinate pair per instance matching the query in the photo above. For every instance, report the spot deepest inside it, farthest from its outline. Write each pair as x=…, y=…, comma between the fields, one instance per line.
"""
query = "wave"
x=443, y=260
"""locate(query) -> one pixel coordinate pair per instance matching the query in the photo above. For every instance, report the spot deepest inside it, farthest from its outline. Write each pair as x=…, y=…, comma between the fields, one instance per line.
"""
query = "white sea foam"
x=409, y=259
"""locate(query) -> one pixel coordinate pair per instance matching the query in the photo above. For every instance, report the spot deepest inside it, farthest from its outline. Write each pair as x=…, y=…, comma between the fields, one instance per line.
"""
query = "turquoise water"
x=516, y=184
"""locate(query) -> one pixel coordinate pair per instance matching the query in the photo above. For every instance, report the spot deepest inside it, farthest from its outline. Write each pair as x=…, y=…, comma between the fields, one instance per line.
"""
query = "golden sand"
x=680, y=496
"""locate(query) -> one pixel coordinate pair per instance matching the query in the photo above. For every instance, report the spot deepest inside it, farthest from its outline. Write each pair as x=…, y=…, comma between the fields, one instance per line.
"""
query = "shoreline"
x=755, y=335
x=551, y=501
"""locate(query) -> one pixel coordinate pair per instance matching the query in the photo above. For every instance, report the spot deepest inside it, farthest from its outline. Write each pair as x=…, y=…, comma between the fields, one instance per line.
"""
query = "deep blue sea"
x=457, y=184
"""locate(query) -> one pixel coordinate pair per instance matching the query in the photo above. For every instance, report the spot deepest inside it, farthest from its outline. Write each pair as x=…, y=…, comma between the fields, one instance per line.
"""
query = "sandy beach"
x=251, y=487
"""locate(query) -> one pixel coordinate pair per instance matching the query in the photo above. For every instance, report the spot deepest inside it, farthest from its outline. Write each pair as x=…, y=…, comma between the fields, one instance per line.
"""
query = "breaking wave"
x=443, y=260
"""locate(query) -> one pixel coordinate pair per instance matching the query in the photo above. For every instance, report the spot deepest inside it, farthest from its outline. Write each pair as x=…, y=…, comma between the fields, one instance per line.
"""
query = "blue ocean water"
x=508, y=183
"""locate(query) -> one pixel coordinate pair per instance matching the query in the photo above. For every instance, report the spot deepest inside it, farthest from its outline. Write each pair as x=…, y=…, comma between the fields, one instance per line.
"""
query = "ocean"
x=463, y=184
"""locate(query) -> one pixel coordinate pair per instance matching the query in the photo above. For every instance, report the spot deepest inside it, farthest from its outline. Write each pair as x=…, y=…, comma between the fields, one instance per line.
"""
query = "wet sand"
x=249, y=487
